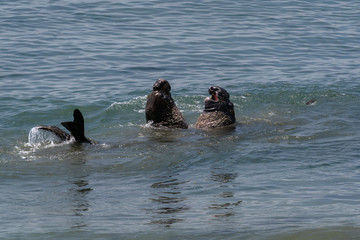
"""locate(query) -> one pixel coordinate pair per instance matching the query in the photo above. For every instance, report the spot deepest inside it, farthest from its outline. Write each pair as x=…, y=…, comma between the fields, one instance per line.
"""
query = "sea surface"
x=288, y=171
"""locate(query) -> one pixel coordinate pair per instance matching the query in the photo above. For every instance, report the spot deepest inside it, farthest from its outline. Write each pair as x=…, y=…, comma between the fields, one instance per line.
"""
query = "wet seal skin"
x=76, y=128
x=161, y=109
x=311, y=102
x=219, y=110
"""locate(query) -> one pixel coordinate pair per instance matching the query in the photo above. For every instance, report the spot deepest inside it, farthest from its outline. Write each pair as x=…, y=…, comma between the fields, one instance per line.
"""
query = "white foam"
x=129, y=102
x=38, y=137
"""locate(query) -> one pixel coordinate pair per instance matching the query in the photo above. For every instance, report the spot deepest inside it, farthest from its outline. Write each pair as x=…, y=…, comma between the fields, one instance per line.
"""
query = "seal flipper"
x=76, y=127
x=57, y=131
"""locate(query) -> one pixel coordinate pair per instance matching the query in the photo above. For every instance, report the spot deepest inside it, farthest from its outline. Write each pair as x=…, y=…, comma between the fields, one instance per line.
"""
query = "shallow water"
x=288, y=171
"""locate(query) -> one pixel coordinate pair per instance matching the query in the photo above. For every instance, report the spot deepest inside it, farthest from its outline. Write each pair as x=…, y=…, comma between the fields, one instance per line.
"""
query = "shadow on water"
x=67, y=163
x=225, y=204
x=63, y=173
x=78, y=187
x=79, y=191
x=168, y=201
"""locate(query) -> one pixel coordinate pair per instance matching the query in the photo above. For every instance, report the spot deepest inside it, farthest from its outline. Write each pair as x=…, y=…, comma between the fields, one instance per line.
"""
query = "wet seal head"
x=161, y=109
x=162, y=85
x=218, y=111
x=219, y=100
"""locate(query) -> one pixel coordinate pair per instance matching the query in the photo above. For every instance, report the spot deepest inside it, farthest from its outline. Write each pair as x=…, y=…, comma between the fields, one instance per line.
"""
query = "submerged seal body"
x=76, y=128
x=161, y=108
x=219, y=110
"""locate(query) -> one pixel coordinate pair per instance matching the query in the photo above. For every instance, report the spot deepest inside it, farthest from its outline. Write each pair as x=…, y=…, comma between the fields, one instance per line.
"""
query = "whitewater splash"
x=38, y=137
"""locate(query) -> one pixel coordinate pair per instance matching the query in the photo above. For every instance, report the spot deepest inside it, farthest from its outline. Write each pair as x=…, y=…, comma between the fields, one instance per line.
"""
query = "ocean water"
x=288, y=171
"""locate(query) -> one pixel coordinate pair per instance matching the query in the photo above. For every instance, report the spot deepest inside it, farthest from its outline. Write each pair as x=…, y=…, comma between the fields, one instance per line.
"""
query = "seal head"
x=161, y=109
x=218, y=111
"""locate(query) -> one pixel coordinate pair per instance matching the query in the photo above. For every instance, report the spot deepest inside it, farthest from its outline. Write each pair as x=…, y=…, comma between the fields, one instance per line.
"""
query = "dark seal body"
x=161, y=109
x=219, y=110
x=76, y=128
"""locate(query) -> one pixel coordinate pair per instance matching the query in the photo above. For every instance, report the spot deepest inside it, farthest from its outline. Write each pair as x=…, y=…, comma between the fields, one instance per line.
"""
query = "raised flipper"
x=57, y=131
x=77, y=128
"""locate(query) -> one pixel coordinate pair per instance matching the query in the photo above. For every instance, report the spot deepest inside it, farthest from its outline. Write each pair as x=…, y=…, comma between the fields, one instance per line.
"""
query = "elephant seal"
x=76, y=128
x=219, y=110
x=161, y=108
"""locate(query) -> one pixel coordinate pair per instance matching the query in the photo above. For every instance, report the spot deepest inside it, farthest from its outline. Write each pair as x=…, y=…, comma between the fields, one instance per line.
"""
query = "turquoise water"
x=288, y=171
